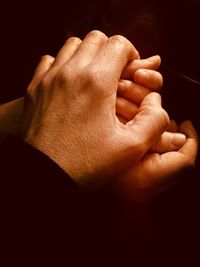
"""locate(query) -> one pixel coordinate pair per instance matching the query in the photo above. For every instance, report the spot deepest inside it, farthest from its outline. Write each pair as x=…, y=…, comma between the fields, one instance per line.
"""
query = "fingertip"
x=151, y=63
x=156, y=59
x=148, y=78
x=47, y=58
x=44, y=65
x=186, y=124
x=187, y=128
x=178, y=139
x=190, y=148
x=168, y=142
x=153, y=98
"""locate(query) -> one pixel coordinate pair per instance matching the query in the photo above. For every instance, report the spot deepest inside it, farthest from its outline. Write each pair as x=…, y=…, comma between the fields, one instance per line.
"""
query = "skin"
x=137, y=108
x=10, y=112
x=160, y=167
x=157, y=172
x=78, y=84
x=130, y=95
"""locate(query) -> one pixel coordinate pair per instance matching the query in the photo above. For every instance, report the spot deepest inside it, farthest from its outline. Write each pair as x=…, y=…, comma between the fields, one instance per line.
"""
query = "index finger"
x=151, y=63
x=173, y=162
x=190, y=149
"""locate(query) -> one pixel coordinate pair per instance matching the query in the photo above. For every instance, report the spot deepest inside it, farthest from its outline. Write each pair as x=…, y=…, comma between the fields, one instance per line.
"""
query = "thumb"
x=150, y=122
x=168, y=142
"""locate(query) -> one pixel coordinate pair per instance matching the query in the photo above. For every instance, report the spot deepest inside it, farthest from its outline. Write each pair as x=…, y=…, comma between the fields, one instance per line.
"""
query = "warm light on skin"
x=10, y=114
x=157, y=154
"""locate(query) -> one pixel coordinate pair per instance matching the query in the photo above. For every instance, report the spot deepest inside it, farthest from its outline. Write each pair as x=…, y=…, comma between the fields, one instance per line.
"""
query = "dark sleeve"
x=22, y=163
x=45, y=216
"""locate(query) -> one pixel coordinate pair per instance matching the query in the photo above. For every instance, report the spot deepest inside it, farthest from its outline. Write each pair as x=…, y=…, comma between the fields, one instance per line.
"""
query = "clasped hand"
x=97, y=113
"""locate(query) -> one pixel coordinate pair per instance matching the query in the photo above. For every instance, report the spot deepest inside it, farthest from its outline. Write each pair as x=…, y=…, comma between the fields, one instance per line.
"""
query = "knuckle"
x=124, y=46
x=119, y=40
x=123, y=87
x=63, y=75
x=161, y=116
x=94, y=71
x=90, y=74
x=73, y=40
x=96, y=34
x=165, y=117
x=137, y=54
x=92, y=78
x=44, y=83
x=46, y=58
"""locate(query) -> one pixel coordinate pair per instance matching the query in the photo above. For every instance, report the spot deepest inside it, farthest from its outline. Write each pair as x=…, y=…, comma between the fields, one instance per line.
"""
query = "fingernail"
x=179, y=139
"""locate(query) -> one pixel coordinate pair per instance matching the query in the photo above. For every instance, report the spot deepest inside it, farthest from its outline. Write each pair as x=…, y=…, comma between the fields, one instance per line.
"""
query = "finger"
x=171, y=163
x=121, y=119
x=172, y=127
x=159, y=170
x=126, y=108
x=168, y=142
x=114, y=56
x=150, y=122
x=89, y=48
x=151, y=63
x=190, y=149
x=67, y=51
x=132, y=91
x=148, y=78
x=42, y=68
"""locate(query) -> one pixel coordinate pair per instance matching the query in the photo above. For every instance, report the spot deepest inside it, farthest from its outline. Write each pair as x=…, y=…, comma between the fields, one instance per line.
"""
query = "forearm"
x=10, y=114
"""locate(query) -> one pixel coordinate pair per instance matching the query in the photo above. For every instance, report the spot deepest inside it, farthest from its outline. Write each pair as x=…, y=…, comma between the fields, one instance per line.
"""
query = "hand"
x=143, y=81
x=132, y=93
x=69, y=111
x=170, y=154
x=10, y=113
x=156, y=171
